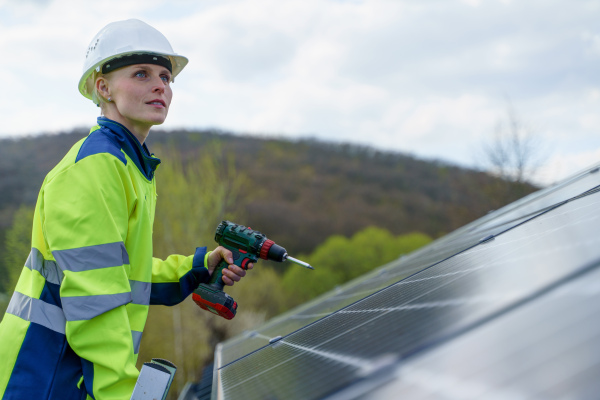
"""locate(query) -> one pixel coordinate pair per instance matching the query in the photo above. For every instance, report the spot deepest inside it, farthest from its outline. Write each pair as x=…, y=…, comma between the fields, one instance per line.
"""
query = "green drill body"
x=246, y=246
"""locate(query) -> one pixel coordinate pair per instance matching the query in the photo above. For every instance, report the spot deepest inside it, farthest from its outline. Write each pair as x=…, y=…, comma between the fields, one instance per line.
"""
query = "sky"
x=431, y=78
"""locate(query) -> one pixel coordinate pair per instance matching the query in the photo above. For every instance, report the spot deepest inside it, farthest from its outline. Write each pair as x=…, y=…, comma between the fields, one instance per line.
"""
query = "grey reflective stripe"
x=37, y=311
x=35, y=261
x=52, y=273
x=87, y=307
x=137, y=339
x=47, y=268
x=92, y=257
x=140, y=292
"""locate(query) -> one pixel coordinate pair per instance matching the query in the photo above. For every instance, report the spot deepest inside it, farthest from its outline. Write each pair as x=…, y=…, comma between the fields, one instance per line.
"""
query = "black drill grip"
x=216, y=279
x=239, y=259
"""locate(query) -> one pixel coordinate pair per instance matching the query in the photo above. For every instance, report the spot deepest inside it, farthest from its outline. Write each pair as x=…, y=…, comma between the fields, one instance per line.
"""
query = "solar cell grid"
x=315, y=310
x=423, y=310
x=546, y=349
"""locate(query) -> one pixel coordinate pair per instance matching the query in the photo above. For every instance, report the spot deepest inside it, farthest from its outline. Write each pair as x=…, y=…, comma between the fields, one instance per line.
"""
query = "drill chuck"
x=272, y=251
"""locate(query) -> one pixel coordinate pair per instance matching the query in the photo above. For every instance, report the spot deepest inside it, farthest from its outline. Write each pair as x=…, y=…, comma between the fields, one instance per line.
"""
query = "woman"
x=75, y=322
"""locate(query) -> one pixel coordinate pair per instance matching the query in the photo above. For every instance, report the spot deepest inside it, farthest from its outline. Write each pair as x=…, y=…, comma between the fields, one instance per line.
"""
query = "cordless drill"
x=246, y=246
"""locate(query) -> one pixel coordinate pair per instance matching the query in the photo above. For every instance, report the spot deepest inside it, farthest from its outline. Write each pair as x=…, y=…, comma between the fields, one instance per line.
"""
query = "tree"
x=192, y=199
x=514, y=152
x=17, y=246
x=340, y=259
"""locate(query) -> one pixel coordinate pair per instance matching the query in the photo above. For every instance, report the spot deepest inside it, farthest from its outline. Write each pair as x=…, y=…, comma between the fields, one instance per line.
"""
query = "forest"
x=345, y=209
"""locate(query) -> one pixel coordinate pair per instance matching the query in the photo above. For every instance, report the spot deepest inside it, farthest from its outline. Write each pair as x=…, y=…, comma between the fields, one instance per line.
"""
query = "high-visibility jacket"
x=73, y=327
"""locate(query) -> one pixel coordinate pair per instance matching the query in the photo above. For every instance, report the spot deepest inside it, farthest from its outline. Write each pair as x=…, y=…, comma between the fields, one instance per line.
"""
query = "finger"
x=232, y=275
x=237, y=270
x=226, y=280
x=226, y=254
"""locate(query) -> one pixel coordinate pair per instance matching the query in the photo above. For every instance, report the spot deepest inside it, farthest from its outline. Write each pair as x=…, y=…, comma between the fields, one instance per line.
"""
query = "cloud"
x=424, y=77
x=561, y=166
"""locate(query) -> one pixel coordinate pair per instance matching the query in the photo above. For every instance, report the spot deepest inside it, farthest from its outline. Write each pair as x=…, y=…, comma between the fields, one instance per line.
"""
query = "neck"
x=140, y=134
x=139, y=129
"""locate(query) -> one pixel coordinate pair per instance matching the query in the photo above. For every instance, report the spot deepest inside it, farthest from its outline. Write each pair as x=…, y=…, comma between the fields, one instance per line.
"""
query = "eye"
x=166, y=79
x=140, y=74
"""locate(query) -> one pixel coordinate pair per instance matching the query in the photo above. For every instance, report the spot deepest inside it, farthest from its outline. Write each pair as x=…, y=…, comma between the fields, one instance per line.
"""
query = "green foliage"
x=301, y=285
x=4, y=269
x=17, y=245
x=260, y=292
x=192, y=199
x=340, y=259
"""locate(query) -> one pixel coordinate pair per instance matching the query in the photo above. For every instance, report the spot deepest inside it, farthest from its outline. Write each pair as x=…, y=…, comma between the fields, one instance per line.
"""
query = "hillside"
x=302, y=192
x=298, y=192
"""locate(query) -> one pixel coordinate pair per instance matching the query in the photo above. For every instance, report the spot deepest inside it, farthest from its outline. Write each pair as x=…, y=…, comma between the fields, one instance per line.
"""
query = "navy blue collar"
x=137, y=152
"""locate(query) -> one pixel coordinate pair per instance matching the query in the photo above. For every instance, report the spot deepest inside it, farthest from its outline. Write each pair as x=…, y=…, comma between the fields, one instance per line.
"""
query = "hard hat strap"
x=132, y=59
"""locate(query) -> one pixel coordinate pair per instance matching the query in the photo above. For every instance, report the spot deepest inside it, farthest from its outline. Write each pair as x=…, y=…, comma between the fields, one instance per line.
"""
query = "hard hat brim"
x=86, y=86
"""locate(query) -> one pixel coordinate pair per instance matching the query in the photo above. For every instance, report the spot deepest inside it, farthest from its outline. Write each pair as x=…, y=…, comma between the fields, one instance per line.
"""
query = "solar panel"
x=346, y=343
x=546, y=349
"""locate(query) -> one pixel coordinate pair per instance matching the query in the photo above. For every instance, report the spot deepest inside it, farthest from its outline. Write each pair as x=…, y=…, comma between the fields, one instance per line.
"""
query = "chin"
x=157, y=120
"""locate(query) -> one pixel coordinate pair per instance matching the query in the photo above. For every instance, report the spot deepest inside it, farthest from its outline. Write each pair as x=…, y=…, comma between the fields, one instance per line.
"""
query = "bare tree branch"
x=514, y=152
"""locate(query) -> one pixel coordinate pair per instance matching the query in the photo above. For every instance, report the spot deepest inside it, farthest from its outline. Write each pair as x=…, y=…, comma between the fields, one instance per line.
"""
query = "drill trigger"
x=245, y=263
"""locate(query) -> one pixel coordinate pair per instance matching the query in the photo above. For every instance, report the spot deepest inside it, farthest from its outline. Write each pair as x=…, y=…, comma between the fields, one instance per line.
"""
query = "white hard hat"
x=122, y=42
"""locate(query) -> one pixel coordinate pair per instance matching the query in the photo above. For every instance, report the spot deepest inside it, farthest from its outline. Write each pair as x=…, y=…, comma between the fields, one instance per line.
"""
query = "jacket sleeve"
x=85, y=221
x=176, y=277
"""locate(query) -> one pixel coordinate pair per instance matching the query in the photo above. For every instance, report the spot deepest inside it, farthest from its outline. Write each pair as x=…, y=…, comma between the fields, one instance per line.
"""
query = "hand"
x=231, y=274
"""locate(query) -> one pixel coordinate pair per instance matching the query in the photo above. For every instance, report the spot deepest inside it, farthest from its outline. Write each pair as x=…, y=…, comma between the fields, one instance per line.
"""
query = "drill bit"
x=302, y=263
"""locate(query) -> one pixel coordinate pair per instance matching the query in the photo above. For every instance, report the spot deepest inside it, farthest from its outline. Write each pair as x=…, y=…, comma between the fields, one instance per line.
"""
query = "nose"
x=159, y=85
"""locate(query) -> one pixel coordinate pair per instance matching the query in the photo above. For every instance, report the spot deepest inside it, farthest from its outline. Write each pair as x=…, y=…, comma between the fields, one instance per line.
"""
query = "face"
x=140, y=96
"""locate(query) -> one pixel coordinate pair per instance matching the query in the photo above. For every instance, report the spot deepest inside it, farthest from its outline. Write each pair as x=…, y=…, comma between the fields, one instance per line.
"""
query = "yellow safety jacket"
x=73, y=327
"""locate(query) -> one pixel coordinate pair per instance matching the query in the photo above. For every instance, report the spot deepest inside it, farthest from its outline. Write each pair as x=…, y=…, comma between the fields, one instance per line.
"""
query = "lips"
x=157, y=102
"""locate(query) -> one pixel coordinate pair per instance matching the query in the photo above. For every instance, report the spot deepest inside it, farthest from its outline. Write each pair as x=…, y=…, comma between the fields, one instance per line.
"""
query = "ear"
x=102, y=87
